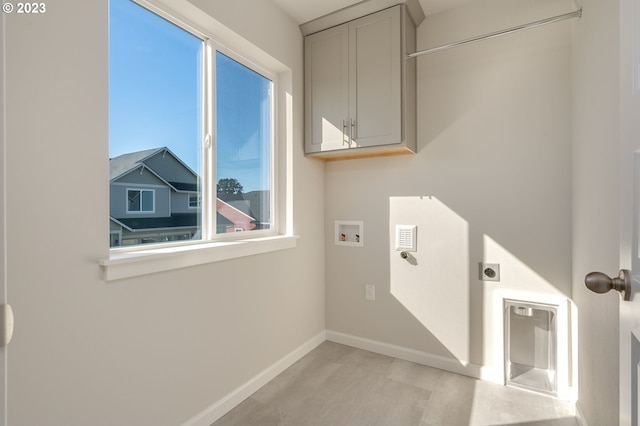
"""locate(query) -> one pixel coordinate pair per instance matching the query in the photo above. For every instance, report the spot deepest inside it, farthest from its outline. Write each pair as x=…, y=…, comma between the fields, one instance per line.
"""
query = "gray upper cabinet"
x=327, y=90
x=359, y=89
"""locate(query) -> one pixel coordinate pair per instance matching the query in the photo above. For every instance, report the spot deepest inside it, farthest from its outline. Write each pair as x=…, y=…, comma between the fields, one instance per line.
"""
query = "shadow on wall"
x=440, y=285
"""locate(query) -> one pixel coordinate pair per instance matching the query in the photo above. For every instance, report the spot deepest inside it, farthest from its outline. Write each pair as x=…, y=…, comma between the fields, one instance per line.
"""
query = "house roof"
x=255, y=203
x=226, y=215
x=232, y=213
x=125, y=163
x=181, y=186
x=176, y=220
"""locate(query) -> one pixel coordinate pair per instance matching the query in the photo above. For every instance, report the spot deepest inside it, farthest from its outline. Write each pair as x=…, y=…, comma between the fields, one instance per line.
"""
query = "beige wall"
x=494, y=171
x=158, y=349
x=596, y=230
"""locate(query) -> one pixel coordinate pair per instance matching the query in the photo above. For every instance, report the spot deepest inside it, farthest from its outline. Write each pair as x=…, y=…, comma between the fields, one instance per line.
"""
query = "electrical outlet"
x=490, y=271
x=370, y=292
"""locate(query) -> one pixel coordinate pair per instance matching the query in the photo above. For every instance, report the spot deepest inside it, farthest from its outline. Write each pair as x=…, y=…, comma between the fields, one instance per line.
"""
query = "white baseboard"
x=408, y=354
x=226, y=404
x=485, y=373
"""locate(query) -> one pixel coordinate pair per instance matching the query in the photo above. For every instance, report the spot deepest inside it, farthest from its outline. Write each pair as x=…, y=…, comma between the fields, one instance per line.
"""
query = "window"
x=194, y=121
x=139, y=200
x=243, y=129
x=194, y=201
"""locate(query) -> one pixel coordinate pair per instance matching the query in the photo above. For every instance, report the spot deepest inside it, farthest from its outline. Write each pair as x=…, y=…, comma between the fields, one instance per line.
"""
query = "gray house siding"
x=117, y=201
x=139, y=180
x=170, y=169
x=145, y=177
x=118, y=194
x=180, y=203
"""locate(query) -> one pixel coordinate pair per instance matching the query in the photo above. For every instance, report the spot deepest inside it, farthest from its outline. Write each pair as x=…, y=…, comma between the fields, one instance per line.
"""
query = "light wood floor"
x=339, y=385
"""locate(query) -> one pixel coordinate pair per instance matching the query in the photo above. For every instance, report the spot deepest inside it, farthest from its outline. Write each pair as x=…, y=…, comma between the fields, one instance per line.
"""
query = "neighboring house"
x=154, y=197
x=253, y=203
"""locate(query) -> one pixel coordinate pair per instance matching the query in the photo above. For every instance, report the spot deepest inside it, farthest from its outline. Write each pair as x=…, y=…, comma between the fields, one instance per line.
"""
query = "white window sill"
x=142, y=262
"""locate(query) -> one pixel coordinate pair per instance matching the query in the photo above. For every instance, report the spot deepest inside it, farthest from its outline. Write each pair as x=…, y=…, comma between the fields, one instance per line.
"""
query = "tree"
x=229, y=186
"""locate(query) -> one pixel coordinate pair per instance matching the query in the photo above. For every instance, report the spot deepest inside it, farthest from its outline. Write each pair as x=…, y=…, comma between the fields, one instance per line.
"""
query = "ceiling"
x=306, y=10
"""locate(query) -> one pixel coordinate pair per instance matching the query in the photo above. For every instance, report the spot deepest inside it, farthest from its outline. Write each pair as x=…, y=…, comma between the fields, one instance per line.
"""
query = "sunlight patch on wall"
x=432, y=283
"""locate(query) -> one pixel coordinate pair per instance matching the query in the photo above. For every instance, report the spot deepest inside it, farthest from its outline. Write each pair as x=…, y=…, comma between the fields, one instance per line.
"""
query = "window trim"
x=209, y=194
x=167, y=258
x=145, y=259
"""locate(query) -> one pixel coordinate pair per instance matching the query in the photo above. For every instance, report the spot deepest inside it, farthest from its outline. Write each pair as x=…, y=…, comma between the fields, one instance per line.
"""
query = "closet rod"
x=575, y=14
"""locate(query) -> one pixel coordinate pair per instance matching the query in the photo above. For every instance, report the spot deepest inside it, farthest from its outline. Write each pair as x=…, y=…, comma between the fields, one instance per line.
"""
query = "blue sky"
x=154, y=98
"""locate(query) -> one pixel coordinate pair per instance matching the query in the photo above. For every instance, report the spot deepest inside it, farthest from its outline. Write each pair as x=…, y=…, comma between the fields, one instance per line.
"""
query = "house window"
x=194, y=200
x=192, y=119
x=139, y=200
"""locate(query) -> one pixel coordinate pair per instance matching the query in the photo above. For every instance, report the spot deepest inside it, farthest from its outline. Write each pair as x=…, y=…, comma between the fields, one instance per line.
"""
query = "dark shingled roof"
x=127, y=162
x=177, y=220
x=181, y=186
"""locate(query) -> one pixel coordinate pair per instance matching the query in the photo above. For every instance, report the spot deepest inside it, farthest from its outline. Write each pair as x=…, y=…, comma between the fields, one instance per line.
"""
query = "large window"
x=191, y=120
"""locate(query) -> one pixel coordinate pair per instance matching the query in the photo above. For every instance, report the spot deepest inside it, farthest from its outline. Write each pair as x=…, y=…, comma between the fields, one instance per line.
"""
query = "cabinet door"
x=326, y=90
x=375, y=97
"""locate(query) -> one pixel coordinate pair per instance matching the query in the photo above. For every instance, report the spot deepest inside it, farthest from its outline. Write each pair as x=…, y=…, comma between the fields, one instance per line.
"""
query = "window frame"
x=209, y=194
x=137, y=260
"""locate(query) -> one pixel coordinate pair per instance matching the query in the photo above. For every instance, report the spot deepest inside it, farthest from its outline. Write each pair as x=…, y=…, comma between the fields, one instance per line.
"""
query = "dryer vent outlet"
x=490, y=271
